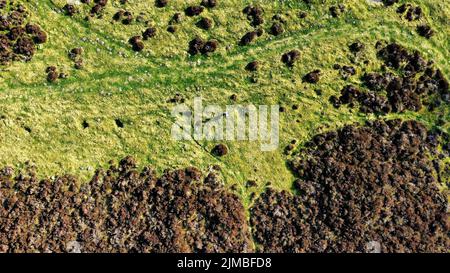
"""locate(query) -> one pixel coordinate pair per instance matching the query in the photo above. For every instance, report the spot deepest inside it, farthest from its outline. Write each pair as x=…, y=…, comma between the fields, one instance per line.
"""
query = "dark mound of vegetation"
x=199, y=46
x=209, y=3
x=254, y=15
x=248, y=38
x=410, y=12
x=336, y=11
x=289, y=58
x=137, y=43
x=253, y=66
x=388, y=3
x=70, y=9
x=425, y=31
x=98, y=8
x=407, y=82
x=276, y=29
x=121, y=210
x=194, y=10
x=18, y=37
x=205, y=23
x=312, y=77
x=220, y=150
x=161, y=3
x=360, y=189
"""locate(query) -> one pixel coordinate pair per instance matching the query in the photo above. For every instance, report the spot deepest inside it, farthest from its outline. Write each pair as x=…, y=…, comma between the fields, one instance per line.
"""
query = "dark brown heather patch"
x=253, y=66
x=407, y=82
x=289, y=58
x=161, y=3
x=18, y=37
x=194, y=10
x=360, y=189
x=198, y=45
x=121, y=210
x=254, y=15
x=205, y=23
x=248, y=38
x=312, y=77
x=209, y=3
x=410, y=12
x=425, y=31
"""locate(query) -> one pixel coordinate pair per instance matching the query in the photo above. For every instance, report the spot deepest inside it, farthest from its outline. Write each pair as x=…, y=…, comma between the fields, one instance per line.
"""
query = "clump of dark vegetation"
x=76, y=55
x=205, y=23
x=161, y=3
x=388, y=3
x=85, y=124
x=413, y=12
x=411, y=83
x=358, y=187
x=346, y=71
x=253, y=66
x=196, y=45
x=150, y=32
x=98, y=8
x=70, y=9
x=18, y=37
x=279, y=18
x=302, y=14
x=209, y=47
x=199, y=46
x=137, y=43
x=118, y=15
x=52, y=74
x=79, y=64
x=176, y=18
x=172, y=29
x=312, y=77
x=209, y=3
x=220, y=150
x=121, y=210
x=251, y=184
x=127, y=18
x=277, y=29
x=194, y=10
x=248, y=38
x=254, y=15
x=356, y=47
x=177, y=99
x=119, y=123
x=336, y=11
x=289, y=58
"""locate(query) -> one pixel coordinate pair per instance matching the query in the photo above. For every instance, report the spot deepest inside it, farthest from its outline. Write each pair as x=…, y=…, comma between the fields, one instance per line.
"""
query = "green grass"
x=135, y=87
